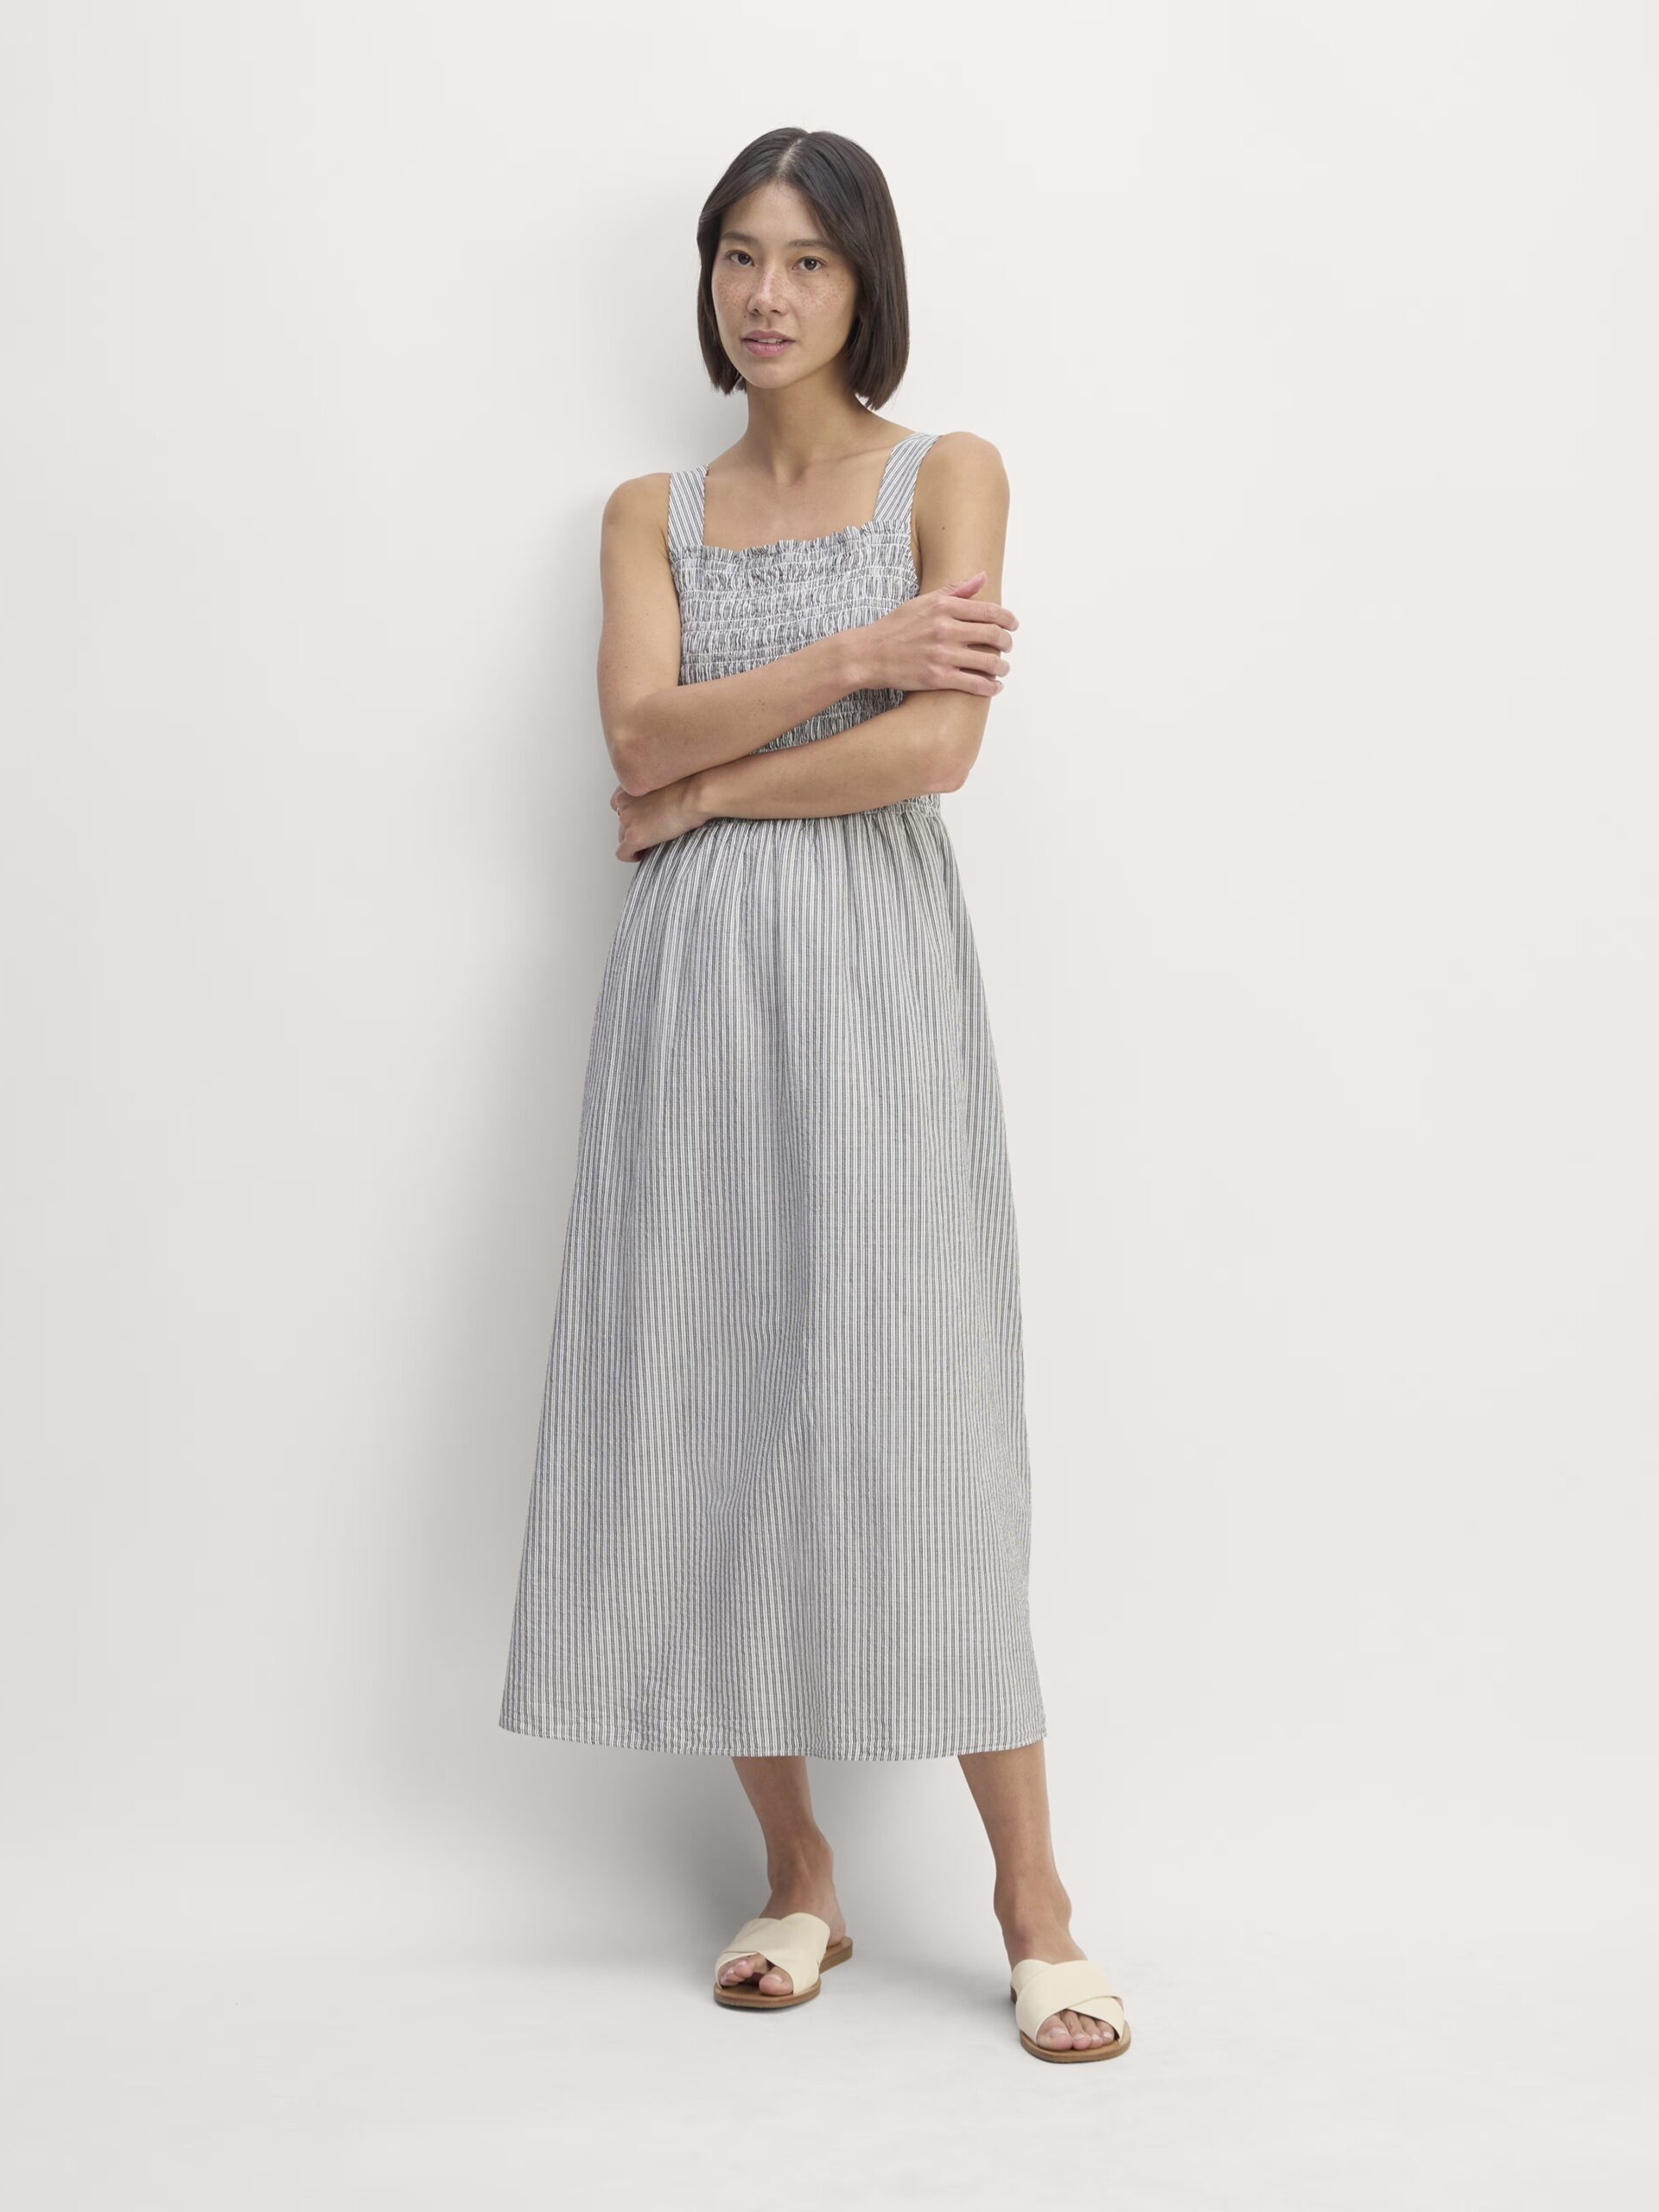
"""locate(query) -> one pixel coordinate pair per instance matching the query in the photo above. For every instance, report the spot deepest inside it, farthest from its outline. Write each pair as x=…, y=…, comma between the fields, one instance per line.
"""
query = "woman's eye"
x=736, y=253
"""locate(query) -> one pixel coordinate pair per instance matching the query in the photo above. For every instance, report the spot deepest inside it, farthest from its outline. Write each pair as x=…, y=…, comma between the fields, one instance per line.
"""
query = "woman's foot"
x=808, y=1886
x=1037, y=1924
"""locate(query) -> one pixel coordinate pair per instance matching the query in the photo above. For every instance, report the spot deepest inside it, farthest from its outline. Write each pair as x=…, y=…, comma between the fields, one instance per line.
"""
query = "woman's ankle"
x=801, y=1859
x=1038, y=1899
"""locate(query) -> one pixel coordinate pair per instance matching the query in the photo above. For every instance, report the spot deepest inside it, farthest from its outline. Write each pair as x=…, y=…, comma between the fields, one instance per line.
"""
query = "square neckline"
x=877, y=521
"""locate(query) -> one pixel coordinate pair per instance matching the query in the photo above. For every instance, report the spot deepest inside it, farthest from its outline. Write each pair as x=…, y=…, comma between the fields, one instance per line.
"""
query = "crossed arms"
x=704, y=736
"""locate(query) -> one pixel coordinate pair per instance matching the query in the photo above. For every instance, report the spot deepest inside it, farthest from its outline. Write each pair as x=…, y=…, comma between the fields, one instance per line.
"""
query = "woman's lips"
x=766, y=347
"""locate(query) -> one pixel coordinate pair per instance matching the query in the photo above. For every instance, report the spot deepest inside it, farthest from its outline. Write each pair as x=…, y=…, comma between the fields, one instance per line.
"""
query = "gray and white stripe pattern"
x=781, y=1500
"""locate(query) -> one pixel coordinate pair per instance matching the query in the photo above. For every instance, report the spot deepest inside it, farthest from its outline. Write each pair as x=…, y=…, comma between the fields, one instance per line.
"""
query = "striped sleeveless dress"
x=781, y=1498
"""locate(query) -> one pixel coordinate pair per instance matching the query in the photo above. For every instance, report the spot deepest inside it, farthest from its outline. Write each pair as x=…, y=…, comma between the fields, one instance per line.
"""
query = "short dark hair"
x=848, y=195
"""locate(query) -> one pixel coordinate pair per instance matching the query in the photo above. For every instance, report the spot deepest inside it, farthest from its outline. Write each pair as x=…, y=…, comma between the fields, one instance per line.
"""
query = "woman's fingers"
x=978, y=679
x=989, y=652
x=955, y=599
x=991, y=627
x=970, y=611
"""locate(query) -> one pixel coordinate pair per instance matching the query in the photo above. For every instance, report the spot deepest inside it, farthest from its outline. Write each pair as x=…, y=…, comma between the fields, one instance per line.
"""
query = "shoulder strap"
x=893, y=501
x=685, y=509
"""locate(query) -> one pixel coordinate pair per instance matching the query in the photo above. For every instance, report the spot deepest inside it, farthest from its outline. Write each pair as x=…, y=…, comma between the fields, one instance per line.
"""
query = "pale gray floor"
x=1255, y=2080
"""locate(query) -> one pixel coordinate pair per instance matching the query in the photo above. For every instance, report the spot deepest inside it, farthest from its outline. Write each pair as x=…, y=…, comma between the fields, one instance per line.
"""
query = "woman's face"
x=774, y=273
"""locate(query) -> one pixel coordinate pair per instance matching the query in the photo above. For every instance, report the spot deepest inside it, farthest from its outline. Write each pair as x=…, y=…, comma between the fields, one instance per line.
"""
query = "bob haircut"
x=848, y=196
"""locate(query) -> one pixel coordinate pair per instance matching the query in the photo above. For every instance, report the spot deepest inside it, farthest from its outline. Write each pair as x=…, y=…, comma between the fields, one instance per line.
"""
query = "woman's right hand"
x=943, y=641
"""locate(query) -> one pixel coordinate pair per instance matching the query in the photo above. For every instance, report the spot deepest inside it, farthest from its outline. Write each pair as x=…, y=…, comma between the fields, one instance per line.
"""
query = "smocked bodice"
x=741, y=606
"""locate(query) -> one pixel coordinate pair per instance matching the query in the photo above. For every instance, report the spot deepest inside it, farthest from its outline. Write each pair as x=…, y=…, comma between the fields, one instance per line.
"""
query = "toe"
x=1075, y=2032
x=775, y=1983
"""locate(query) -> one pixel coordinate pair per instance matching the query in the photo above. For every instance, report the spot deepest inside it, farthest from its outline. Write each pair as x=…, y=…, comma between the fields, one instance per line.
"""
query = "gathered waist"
x=920, y=802
x=920, y=814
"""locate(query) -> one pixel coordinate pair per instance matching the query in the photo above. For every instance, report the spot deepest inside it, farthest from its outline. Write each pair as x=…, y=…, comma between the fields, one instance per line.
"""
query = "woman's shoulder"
x=636, y=512
x=961, y=464
x=637, y=497
x=962, y=449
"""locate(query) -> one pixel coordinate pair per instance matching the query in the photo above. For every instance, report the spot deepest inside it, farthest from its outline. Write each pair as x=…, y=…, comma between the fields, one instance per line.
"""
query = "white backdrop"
x=1311, y=857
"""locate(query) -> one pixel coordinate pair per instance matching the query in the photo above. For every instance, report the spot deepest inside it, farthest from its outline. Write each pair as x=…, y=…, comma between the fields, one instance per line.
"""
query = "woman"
x=781, y=1501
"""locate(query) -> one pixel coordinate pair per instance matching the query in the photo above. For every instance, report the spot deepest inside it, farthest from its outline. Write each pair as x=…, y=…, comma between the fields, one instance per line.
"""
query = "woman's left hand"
x=653, y=817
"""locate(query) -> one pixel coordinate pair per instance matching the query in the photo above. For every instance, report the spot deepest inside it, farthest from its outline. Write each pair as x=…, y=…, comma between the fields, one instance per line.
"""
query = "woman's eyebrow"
x=747, y=238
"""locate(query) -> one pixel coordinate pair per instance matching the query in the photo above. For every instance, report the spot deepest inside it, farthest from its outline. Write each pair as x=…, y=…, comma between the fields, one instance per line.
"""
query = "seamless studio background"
x=1310, y=860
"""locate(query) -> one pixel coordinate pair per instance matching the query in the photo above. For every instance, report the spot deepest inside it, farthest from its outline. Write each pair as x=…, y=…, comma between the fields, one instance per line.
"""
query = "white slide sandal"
x=1039, y=1987
x=798, y=1943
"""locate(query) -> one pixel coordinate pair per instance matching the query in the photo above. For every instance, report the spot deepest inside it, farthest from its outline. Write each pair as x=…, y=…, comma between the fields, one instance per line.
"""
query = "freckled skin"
x=805, y=294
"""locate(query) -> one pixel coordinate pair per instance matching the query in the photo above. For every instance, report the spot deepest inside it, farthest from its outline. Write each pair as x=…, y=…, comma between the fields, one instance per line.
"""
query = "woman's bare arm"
x=930, y=740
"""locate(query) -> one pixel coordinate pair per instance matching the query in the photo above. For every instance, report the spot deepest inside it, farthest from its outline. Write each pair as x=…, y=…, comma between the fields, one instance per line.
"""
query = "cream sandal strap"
x=796, y=1941
x=1065, y=1985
